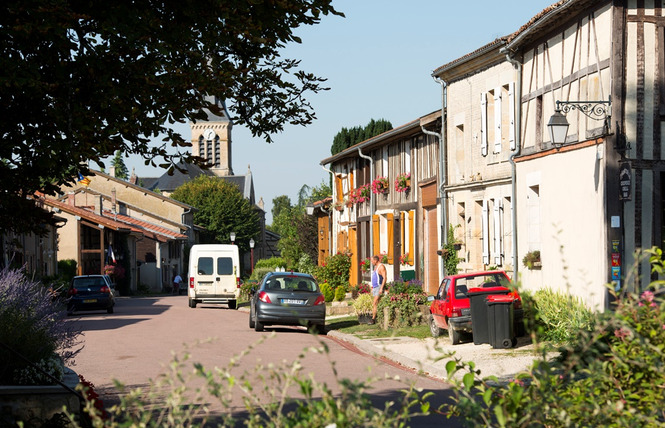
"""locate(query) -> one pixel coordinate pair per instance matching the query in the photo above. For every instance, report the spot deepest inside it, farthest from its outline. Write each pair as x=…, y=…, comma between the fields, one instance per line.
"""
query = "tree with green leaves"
x=118, y=163
x=82, y=80
x=221, y=209
x=350, y=137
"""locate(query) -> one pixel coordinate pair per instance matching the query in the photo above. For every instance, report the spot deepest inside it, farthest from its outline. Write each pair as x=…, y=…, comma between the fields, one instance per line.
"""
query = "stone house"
x=480, y=137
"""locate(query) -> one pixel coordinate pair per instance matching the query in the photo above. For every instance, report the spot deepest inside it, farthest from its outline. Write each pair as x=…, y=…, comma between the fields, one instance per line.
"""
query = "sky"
x=378, y=61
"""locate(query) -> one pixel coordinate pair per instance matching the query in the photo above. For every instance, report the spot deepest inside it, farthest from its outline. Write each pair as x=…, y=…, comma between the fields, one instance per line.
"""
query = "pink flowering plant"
x=380, y=185
x=403, y=301
x=360, y=194
x=403, y=182
x=609, y=374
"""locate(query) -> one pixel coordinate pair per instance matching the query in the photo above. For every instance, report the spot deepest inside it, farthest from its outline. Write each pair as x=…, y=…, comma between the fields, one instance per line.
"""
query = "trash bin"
x=501, y=321
x=477, y=296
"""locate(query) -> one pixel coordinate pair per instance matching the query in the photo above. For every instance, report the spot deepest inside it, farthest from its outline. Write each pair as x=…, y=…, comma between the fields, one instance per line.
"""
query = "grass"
x=349, y=325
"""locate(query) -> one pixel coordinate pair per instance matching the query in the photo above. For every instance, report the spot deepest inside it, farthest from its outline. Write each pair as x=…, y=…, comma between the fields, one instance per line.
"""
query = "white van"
x=214, y=274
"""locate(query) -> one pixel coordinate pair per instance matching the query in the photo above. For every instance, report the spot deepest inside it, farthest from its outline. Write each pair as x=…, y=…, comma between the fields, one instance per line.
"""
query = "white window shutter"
x=497, y=120
x=511, y=108
x=483, y=124
x=486, y=234
x=498, y=248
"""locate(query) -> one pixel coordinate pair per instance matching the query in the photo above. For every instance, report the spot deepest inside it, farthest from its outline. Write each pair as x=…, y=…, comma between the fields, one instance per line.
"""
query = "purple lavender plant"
x=32, y=325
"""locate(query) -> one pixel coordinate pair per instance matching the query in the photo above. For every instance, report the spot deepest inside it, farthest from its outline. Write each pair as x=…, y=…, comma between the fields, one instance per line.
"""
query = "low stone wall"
x=35, y=404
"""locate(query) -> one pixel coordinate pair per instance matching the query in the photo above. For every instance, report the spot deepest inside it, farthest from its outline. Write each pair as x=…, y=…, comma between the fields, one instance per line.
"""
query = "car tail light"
x=238, y=283
x=320, y=301
x=191, y=282
x=457, y=312
x=72, y=291
x=263, y=296
x=104, y=289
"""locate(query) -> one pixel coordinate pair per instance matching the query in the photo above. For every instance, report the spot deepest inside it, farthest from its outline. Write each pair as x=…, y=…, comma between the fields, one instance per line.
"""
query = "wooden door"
x=431, y=258
x=353, y=248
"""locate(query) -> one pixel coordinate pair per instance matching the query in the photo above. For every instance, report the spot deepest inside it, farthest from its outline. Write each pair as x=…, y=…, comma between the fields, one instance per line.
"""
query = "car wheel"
x=321, y=329
x=192, y=303
x=258, y=326
x=453, y=334
x=251, y=317
x=109, y=310
x=433, y=328
x=232, y=304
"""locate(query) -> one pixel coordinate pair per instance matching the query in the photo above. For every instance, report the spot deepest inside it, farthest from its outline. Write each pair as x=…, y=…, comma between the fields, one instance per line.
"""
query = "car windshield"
x=89, y=283
x=483, y=281
x=291, y=283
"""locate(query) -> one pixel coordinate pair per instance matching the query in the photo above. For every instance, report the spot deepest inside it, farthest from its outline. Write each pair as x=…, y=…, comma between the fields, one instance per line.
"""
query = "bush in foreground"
x=612, y=375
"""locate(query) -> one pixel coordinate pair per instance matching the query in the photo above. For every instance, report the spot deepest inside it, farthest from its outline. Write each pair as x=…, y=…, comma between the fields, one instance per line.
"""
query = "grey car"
x=288, y=298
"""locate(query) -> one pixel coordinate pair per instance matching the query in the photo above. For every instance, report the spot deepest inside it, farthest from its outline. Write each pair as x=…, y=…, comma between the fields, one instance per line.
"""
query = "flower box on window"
x=403, y=182
x=380, y=185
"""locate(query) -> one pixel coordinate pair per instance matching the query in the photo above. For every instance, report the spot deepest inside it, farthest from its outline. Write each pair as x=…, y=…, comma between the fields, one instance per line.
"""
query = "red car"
x=450, y=308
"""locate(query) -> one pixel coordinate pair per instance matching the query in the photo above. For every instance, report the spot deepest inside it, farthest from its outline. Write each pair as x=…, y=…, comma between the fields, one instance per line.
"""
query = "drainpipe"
x=330, y=213
x=371, y=198
x=442, y=166
x=516, y=152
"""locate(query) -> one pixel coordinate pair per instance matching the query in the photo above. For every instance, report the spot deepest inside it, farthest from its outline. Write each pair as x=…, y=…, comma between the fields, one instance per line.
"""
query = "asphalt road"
x=138, y=341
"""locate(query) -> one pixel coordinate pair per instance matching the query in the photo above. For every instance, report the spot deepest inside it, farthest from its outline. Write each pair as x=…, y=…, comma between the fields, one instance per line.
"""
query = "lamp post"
x=251, y=256
x=232, y=235
x=558, y=125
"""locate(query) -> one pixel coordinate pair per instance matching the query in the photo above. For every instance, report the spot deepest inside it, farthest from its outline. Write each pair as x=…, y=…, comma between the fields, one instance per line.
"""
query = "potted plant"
x=404, y=259
x=380, y=185
x=363, y=306
x=363, y=193
x=403, y=182
x=365, y=265
x=532, y=259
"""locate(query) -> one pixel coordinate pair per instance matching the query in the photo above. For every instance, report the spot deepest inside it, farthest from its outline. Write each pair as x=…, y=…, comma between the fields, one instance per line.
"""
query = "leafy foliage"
x=350, y=137
x=403, y=302
x=118, y=163
x=609, y=375
x=221, y=209
x=272, y=263
x=83, y=80
x=335, y=270
x=32, y=322
x=327, y=291
x=556, y=316
x=363, y=304
x=450, y=258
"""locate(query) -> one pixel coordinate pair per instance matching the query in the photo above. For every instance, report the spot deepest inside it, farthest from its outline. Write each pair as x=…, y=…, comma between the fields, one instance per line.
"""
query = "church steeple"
x=211, y=139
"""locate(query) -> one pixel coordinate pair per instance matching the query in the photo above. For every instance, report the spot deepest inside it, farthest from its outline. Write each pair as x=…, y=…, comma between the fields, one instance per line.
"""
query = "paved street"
x=136, y=343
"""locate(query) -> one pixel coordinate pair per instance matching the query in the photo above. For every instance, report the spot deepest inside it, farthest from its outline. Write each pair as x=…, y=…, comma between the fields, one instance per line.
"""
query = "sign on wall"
x=625, y=175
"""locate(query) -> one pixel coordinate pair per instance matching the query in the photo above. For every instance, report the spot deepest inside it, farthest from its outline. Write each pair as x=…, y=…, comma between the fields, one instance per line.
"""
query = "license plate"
x=90, y=301
x=293, y=301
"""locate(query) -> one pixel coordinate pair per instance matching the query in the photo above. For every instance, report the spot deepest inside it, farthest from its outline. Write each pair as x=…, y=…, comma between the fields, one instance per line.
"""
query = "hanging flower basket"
x=403, y=182
x=380, y=185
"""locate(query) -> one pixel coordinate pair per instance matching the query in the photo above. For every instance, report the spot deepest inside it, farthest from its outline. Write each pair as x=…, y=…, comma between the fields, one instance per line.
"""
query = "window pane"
x=224, y=266
x=205, y=266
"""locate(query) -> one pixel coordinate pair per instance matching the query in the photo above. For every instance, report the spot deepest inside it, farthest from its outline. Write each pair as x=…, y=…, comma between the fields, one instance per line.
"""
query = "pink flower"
x=648, y=296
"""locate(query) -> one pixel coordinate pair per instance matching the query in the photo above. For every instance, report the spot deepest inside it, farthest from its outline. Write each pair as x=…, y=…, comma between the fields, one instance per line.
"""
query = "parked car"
x=450, y=309
x=287, y=298
x=89, y=293
x=214, y=275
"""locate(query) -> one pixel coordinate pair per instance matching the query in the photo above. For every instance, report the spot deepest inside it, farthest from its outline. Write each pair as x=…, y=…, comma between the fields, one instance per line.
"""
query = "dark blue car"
x=90, y=293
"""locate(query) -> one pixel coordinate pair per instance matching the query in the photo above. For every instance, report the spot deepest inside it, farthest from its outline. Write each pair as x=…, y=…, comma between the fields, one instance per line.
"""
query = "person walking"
x=378, y=283
x=176, y=284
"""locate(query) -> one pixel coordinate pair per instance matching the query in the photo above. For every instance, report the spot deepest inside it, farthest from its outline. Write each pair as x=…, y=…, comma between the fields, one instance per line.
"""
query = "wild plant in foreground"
x=278, y=395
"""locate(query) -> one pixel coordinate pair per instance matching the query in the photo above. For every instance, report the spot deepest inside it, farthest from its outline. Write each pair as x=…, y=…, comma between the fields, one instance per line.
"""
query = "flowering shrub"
x=359, y=195
x=116, y=271
x=358, y=289
x=335, y=270
x=95, y=405
x=403, y=182
x=33, y=325
x=36, y=375
x=384, y=257
x=403, y=302
x=380, y=185
x=365, y=264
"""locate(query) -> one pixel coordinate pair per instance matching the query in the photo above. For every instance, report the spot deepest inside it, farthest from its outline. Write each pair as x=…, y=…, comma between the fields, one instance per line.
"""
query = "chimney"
x=112, y=171
x=261, y=204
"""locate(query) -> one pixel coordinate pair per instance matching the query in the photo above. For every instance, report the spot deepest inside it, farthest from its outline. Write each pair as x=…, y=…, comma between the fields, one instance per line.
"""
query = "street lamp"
x=558, y=125
x=251, y=256
x=232, y=235
x=310, y=209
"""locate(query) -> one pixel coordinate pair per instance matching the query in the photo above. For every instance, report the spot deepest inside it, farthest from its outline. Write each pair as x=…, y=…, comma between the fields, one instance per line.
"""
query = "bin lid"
x=487, y=290
x=499, y=298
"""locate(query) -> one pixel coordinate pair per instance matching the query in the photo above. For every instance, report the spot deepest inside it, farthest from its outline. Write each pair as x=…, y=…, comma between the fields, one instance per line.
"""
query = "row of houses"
x=487, y=166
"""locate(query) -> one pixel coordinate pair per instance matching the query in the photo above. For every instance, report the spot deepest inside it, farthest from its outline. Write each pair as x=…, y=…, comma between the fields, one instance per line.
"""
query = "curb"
x=377, y=352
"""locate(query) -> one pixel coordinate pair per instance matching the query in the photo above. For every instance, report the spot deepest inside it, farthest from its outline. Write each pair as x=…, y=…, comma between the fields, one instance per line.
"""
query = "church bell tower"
x=211, y=139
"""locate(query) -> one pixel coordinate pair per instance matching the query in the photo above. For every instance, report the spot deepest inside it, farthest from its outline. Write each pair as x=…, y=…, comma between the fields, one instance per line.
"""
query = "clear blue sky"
x=378, y=61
